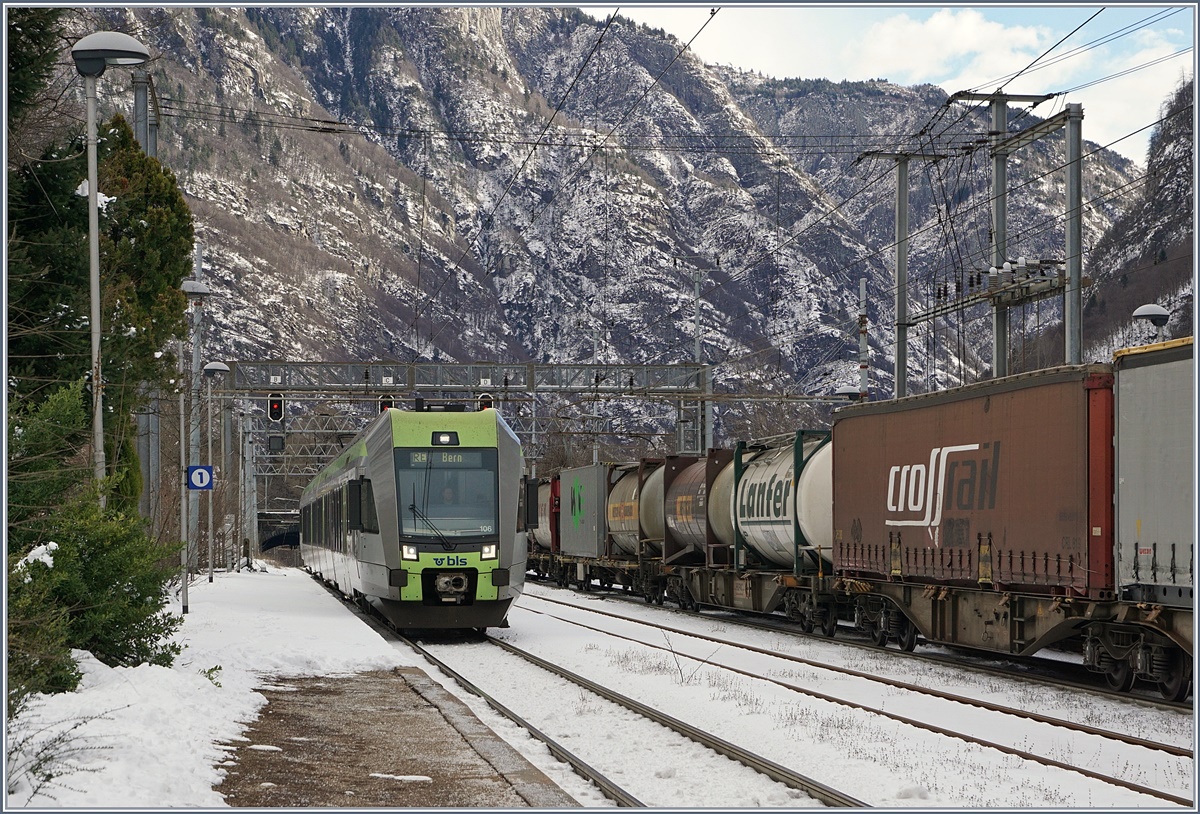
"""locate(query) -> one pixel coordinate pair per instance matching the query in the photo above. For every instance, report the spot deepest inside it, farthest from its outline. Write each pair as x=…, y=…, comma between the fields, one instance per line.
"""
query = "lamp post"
x=211, y=370
x=92, y=55
x=196, y=293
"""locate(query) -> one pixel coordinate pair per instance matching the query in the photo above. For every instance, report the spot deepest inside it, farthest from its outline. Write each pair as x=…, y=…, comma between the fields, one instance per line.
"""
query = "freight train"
x=417, y=518
x=1005, y=516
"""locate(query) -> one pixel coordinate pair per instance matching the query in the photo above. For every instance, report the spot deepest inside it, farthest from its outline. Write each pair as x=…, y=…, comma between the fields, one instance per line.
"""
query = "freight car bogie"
x=678, y=592
x=883, y=621
x=1125, y=653
x=813, y=611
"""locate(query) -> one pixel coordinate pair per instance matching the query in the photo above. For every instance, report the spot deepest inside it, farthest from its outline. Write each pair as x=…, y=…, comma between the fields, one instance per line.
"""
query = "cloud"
x=960, y=49
x=947, y=45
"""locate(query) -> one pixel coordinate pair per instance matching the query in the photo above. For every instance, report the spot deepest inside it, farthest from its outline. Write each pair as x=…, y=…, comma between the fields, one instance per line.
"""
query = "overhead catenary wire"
x=926, y=130
x=913, y=281
x=1053, y=221
x=687, y=147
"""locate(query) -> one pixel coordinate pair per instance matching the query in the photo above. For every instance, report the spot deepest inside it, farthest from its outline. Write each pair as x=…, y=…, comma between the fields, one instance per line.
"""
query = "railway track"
x=615, y=792
x=1042, y=671
x=581, y=767
x=1101, y=736
x=577, y=764
x=971, y=760
x=1033, y=670
x=815, y=789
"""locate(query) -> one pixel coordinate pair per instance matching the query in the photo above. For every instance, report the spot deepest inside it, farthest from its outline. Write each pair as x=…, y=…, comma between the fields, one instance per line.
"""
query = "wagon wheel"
x=879, y=633
x=829, y=623
x=1120, y=677
x=648, y=593
x=686, y=602
x=908, y=639
x=806, y=623
x=1178, y=685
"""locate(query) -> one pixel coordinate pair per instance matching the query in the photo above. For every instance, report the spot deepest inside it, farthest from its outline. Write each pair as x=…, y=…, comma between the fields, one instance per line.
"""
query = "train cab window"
x=447, y=493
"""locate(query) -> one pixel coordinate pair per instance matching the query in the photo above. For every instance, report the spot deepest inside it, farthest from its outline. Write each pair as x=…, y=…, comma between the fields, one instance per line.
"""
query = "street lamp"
x=211, y=370
x=92, y=55
x=1156, y=315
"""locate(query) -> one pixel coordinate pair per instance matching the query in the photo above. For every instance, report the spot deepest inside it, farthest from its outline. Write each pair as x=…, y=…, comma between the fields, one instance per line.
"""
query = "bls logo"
x=964, y=482
x=449, y=561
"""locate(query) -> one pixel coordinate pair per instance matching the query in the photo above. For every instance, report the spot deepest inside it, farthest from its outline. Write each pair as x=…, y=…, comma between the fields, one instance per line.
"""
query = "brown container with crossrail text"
x=1004, y=485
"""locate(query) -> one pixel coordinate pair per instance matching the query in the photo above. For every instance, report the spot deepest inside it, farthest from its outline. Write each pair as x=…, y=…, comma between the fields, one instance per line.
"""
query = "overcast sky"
x=960, y=48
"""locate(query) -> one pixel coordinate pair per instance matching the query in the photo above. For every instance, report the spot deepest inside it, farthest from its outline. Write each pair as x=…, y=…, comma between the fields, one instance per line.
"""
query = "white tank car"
x=770, y=500
x=635, y=512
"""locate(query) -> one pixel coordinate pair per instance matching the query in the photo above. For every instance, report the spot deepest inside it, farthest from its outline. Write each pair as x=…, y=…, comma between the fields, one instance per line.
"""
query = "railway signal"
x=275, y=407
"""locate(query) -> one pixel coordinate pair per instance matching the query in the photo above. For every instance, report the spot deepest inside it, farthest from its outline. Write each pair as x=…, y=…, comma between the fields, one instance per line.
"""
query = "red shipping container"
x=1003, y=485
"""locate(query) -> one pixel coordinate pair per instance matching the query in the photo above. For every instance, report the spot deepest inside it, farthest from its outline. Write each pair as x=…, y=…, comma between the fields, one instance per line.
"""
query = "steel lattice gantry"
x=455, y=380
x=355, y=390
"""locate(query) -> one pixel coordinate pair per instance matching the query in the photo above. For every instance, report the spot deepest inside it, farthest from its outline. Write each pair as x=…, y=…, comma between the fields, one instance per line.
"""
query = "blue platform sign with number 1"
x=200, y=477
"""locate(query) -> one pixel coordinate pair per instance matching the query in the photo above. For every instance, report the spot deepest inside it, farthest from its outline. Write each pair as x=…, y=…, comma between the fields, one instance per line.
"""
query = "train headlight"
x=488, y=552
x=409, y=552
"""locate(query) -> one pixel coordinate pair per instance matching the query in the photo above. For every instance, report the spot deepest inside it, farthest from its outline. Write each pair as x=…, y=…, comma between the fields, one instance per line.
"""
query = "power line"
x=913, y=280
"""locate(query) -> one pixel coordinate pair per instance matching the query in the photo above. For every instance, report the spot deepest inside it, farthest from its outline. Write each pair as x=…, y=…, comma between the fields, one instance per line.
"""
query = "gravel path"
x=389, y=739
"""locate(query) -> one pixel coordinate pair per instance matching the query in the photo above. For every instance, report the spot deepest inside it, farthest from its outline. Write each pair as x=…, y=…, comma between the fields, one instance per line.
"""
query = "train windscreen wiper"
x=420, y=515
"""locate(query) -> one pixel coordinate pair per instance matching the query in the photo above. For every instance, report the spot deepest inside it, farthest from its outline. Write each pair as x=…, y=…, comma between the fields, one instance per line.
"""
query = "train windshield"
x=447, y=494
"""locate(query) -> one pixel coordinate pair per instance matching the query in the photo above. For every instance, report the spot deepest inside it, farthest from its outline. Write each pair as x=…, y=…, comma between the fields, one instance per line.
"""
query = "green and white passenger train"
x=417, y=518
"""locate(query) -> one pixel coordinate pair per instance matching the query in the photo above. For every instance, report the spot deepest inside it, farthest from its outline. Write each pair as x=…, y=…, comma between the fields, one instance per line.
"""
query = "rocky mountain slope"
x=521, y=184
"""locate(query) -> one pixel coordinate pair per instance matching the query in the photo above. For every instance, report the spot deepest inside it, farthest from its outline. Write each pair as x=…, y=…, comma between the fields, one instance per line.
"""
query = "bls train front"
x=417, y=519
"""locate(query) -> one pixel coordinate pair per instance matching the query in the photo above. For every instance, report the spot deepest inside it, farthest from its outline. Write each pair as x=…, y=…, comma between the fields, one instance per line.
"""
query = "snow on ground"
x=150, y=734
x=151, y=737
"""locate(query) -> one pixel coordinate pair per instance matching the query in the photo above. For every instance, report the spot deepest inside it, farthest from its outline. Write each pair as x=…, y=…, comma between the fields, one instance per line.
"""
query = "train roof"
x=1185, y=342
x=1019, y=381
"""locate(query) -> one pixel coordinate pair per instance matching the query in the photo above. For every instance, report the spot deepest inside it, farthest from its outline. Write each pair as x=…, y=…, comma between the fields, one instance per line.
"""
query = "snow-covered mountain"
x=511, y=184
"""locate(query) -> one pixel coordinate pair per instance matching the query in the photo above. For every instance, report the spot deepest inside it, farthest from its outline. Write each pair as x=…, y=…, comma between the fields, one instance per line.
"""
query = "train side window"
x=370, y=518
x=354, y=505
x=339, y=523
x=326, y=520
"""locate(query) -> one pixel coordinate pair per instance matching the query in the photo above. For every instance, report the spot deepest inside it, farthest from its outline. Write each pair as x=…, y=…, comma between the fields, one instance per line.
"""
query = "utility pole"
x=864, y=354
x=1073, y=305
x=141, y=106
x=703, y=428
x=1000, y=151
x=902, y=323
x=194, y=417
